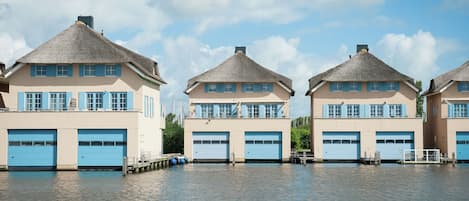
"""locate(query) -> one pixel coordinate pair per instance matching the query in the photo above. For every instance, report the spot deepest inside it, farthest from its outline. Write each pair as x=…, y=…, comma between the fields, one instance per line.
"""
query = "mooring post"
x=453, y=155
x=124, y=166
x=233, y=161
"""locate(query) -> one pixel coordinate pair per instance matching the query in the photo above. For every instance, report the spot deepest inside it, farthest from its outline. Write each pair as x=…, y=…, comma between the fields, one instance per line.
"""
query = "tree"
x=419, y=98
x=300, y=133
x=173, y=136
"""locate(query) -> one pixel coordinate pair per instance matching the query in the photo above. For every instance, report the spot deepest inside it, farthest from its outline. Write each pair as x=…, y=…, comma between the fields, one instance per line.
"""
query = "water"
x=213, y=182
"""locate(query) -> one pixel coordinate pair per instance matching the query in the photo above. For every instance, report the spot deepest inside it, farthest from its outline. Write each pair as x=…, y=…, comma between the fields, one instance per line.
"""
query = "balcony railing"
x=65, y=110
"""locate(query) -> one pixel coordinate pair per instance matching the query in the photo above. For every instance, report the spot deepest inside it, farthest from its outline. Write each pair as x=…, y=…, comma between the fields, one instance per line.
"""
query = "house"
x=238, y=111
x=363, y=106
x=447, y=125
x=3, y=85
x=79, y=100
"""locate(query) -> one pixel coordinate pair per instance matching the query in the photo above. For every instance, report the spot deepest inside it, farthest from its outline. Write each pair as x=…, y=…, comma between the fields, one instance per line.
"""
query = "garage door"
x=263, y=145
x=341, y=145
x=462, y=145
x=32, y=148
x=391, y=145
x=210, y=145
x=101, y=147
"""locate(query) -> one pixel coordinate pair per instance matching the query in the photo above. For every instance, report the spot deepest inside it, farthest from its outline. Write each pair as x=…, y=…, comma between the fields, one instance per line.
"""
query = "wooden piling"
x=125, y=165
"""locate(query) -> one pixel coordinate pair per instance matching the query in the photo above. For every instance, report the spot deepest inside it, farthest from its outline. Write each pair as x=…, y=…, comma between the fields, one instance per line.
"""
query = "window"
x=229, y=88
x=334, y=111
x=265, y=87
x=110, y=70
x=353, y=111
x=249, y=88
x=90, y=70
x=253, y=111
x=392, y=86
x=62, y=70
x=354, y=86
x=463, y=86
x=376, y=110
x=148, y=106
x=207, y=110
x=337, y=86
x=94, y=101
x=373, y=86
x=395, y=110
x=57, y=101
x=460, y=110
x=33, y=101
x=41, y=71
x=118, y=101
x=225, y=111
x=211, y=88
x=270, y=111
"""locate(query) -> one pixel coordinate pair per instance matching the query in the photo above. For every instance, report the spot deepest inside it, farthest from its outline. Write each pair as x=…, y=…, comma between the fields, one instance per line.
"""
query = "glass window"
x=62, y=70
x=253, y=111
x=33, y=101
x=225, y=110
x=41, y=71
x=249, y=87
x=460, y=110
x=90, y=70
x=353, y=111
x=265, y=87
x=207, y=110
x=94, y=101
x=270, y=111
x=337, y=86
x=118, y=101
x=374, y=86
x=354, y=86
x=57, y=101
x=376, y=110
x=229, y=88
x=463, y=86
x=211, y=88
x=392, y=86
x=334, y=111
x=395, y=110
x=110, y=70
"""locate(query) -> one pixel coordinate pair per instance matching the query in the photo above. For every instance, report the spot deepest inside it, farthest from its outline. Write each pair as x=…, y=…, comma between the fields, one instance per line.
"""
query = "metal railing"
x=66, y=110
x=421, y=156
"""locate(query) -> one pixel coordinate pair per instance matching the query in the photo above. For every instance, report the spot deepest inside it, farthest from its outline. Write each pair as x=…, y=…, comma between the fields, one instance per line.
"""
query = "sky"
x=297, y=38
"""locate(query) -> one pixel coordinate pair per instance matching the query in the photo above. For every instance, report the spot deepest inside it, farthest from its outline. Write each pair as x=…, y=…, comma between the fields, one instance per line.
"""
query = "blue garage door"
x=341, y=145
x=391, y=145
x=101, y=147
x=462, y=145
x=32, y=148
x=210, y=145
x=263, y=145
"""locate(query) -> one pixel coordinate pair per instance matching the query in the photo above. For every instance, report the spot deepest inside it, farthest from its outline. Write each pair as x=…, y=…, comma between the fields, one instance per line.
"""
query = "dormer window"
x=354, y=86
x=110, y=70
x=228, y=88
x=62, y=71
x=211, y=88
x=374, y=86
x=463, y=86
x=41, y=71
x=249, y=88
x=90, y=70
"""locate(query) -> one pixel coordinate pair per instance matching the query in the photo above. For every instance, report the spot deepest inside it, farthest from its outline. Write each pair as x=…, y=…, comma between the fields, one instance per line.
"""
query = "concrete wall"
x=237, y=129
x=67, y=125
x=367, y=129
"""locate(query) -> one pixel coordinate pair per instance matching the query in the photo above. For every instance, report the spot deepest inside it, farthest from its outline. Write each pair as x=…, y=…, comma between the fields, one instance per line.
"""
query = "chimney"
x=2, y=69
x=88, y=20
x=362, y=47
x=241, y=49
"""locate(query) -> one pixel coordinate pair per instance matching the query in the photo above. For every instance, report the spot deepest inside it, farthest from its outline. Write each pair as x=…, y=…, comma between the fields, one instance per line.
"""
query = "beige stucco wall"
x=278, y=95
x=367, y=129
x=237, y=129
x=150, y=133
x=67, y=124
x=453, y=126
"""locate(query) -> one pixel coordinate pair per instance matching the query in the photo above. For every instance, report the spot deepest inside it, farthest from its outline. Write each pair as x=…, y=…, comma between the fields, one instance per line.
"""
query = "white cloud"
x=12, y=48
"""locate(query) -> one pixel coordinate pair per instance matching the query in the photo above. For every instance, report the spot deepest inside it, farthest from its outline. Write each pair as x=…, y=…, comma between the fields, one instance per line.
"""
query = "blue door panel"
x=341, y=145
x=263, y=145
x=391, y=145
x=101, y=147
x=210, y=145
x=32, y=148
x=462, y=145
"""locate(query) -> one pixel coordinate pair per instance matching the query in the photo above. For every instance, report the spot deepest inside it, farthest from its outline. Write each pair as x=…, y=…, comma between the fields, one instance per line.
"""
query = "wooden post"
x=453, y=155
x=124, y=166
x=233, y=161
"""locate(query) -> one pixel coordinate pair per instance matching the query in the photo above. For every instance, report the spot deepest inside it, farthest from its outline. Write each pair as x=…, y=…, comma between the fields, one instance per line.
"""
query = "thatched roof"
x=81, y=44
x=363, y=67
x=240, y=68
x=459, y=74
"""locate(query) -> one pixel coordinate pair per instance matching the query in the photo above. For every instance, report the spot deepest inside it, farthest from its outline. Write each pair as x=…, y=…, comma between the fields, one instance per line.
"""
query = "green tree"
x=173, y=136
x=419, y=98
x=300, y=133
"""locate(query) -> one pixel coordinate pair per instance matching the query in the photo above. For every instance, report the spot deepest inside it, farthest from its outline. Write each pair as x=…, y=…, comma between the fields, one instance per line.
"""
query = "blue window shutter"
x=198, y=111
x=68, y=100
x=271, y=87
x=346, y=86
x=359, y=86
x=244, y=111
x=362, y=110
x=70, y=70
x=234, y=110
x=332, y=86
x=20, y=101
x=206, y=87
x=216, y=110
x=118, y=70
x=382, y=86
x=398, y=86
x=45, y=101
x=386, y=110
x=257, y=87
x=460, y=86
x=130, y=100
x=368, y=86
x=343, y=111
x=367, y=110
x=51, y=71
x=325, y=111
x=450, y=110
x=220, y=88
x=467, y=110
x=106, y=100
x=403, y=110
x=82, y=70
x=99, y=70
x=261, y=110
x=233, y=87
x=279, y=110
x=82, y=101
x=33, y=70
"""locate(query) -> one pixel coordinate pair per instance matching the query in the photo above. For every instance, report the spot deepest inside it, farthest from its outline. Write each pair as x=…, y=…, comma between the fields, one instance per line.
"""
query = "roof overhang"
x=142, y=75
x=14, y=68
x=412, y=86
x=446, y=86
x=188, y=90
x=314, y=89
x=286, y=88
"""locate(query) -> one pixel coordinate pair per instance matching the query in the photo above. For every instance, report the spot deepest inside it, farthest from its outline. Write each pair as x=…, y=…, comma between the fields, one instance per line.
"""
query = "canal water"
x=213, y=182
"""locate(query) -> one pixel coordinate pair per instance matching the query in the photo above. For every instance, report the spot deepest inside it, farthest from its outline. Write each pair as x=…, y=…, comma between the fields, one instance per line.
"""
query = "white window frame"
x=62, y=71
x=354, y=86
x=376, y=110
x=460, y=110
x=110, y=70
x=335, y=110
x=374, y=86
x=228, y=88
x=58, y=101
x=41, y=71
x=353, y=111
x=211, y=88
x=395, y=110
x=89, y=70
x=249, y=88
x=33, y=101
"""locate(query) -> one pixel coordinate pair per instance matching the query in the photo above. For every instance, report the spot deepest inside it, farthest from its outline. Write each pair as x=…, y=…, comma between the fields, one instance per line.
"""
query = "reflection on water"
x=245, y=182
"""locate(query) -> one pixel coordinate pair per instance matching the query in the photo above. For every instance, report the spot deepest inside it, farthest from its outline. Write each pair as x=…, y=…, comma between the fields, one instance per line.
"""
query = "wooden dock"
x=372, y=160
x=133, y=166
x=302, y=157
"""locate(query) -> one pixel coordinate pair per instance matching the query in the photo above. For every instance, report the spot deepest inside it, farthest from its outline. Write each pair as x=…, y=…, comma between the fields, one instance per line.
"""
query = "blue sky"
x=296, y=38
